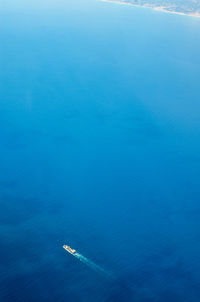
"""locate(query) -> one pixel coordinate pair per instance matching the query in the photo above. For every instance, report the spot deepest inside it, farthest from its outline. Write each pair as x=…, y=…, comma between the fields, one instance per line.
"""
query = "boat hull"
x=69, y=249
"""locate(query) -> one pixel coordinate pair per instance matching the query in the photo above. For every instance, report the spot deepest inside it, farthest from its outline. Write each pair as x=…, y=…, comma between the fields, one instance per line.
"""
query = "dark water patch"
x=8, y=185
x=119, y=294
x=15, y=141
x=17, y=210
x=63, y=139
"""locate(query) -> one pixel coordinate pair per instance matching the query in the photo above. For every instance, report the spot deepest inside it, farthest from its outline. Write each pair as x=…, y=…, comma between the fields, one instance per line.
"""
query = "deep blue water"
x=99, y=149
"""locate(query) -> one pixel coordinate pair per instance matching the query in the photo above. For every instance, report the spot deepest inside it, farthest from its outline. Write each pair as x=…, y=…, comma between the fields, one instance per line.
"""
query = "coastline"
x=156, y=8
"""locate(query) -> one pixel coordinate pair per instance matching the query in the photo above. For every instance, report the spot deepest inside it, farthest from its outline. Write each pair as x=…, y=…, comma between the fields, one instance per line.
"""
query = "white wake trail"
x=93, y=265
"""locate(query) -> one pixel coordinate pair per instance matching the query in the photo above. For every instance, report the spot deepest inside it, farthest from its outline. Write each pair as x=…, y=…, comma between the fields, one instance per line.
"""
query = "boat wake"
x=93, y=265
x=127, y=291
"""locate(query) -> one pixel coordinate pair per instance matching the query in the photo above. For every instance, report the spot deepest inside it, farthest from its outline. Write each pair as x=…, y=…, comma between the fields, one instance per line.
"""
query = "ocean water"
x=100, y=150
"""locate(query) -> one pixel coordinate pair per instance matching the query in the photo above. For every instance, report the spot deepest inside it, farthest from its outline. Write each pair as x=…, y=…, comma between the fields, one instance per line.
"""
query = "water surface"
x=99, y=149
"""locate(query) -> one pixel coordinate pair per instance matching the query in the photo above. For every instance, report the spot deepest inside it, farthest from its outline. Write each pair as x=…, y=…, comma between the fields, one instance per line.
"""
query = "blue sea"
x=99, y=150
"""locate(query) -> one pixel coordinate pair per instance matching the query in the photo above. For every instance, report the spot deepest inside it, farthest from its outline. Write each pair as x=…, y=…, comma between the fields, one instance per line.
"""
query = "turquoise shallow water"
x=99, y=149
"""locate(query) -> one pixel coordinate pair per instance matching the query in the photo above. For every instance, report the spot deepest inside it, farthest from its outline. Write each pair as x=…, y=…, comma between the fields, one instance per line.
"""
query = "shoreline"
x=156, y=8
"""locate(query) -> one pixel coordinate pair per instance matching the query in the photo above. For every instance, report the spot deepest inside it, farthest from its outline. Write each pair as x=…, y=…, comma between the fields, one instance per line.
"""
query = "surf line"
x=88, y=262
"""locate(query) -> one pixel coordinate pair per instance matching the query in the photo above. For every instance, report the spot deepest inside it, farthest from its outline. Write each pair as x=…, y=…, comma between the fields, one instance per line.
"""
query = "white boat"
x=69, y=249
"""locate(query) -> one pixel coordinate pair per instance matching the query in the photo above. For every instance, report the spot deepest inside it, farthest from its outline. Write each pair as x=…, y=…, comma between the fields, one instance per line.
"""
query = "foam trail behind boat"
x=93, y=265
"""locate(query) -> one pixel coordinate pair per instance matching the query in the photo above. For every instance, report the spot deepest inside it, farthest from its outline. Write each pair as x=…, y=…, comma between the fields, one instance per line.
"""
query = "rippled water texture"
x=99, y=149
